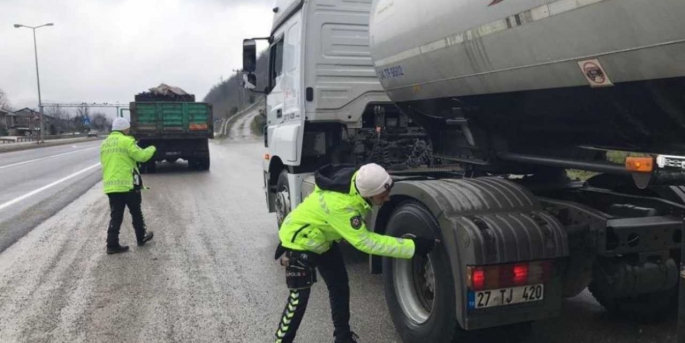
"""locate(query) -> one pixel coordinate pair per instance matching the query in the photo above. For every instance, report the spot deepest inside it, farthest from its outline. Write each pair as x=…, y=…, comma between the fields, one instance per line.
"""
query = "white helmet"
x=120, y=124
x=372, y=180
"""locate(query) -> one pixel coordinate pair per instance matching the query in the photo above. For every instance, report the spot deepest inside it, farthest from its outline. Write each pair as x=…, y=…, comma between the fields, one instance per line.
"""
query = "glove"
x=423, y=246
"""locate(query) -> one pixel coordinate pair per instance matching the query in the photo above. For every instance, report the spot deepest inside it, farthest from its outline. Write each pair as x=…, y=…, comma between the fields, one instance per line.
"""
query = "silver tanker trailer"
x=480, y=108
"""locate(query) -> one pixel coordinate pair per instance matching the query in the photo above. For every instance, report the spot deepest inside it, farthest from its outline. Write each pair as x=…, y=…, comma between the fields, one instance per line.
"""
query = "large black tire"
x=411, y=219
x=193, y=164
x=283, y=205
x=642, y=308
x=440, y=325
x=148, y=167
x=204, y=163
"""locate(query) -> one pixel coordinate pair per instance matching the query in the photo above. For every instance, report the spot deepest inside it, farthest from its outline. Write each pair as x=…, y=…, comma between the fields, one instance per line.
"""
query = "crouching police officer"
x=118, y=156
x=335, y=211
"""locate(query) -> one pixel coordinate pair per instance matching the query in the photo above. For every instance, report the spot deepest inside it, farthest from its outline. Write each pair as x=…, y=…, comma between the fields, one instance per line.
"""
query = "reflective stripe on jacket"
x=118, y=156
x=326, y=216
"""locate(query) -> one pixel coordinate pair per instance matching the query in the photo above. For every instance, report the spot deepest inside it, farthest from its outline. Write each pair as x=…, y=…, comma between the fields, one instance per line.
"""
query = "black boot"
x=117, y=249
x=353, y=338
x=148, y=237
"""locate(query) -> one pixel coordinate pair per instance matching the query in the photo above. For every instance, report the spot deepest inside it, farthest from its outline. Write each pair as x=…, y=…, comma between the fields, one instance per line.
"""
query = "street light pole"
x=40, y=100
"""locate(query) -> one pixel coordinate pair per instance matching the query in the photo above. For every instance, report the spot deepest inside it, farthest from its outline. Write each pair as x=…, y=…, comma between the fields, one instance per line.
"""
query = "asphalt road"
x=242, y=128
x=35, y=184
x=209, y=275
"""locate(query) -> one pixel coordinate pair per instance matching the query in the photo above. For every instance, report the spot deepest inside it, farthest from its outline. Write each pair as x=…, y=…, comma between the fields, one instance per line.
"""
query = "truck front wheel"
x=420, y=292
x=283, y=206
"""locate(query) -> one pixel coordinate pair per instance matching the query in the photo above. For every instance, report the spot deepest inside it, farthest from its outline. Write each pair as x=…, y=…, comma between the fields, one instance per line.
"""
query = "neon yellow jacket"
x=118, y=156
x=328, y=216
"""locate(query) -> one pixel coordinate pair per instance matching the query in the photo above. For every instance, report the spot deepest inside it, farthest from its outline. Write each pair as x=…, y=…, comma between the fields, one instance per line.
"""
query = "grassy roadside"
x=232, y=119
x=257, y=125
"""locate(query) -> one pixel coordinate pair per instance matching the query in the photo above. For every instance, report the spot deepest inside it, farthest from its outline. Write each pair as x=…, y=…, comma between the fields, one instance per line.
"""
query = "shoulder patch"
x=356, y=222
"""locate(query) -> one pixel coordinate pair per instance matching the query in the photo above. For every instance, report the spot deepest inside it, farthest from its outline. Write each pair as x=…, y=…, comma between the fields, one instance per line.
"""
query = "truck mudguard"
x=487, y=221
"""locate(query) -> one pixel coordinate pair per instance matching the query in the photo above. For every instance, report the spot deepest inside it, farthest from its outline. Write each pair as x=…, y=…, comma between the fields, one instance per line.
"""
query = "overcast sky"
x=110, y=50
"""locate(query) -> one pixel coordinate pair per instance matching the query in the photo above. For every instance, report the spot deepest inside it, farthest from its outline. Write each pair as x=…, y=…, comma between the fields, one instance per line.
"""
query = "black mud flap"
x=492, y=221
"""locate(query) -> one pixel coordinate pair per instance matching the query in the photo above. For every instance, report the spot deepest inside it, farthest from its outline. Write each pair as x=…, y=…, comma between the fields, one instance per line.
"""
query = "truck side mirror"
x=249, y=55
x=249, y=81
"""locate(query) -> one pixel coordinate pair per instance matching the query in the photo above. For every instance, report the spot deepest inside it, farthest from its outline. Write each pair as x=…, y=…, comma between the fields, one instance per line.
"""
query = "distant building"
x=7, y=120
x=27, y=122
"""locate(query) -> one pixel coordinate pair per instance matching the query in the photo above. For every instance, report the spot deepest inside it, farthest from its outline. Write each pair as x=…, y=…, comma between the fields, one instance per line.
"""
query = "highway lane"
x=209, y=275
x=36, y=183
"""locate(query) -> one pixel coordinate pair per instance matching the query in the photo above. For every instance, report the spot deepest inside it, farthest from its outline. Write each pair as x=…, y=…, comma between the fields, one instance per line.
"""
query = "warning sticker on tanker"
x=594, y=73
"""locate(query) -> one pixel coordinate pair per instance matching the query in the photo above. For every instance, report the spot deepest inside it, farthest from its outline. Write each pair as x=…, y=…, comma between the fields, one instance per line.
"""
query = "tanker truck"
x=479, y=109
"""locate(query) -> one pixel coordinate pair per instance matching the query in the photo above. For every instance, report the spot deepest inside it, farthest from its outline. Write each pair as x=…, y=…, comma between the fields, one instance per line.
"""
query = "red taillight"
x=478, y=278
x=198, y=127
x=509, y=275
x=521, y=274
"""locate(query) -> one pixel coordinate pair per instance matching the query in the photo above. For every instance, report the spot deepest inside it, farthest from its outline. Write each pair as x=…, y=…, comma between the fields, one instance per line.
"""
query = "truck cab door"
x=274, y=100
x=285, y=120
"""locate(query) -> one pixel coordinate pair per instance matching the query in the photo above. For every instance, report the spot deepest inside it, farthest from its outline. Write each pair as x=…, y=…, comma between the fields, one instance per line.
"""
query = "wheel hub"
x=282, y=204
x=429, y=276
x=415, y=287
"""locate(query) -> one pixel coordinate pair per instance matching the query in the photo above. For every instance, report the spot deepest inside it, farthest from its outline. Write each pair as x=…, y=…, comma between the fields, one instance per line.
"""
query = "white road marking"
x=45, y=158
x=32, y=193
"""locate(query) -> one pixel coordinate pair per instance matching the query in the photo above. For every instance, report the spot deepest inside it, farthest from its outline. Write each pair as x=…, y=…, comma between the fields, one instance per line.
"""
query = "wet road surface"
x=36, y=183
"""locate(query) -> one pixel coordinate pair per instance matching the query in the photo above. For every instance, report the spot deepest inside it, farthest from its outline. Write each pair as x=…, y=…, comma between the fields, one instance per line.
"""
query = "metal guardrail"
x=223, y=128
x=8, y=140
x=27, y=139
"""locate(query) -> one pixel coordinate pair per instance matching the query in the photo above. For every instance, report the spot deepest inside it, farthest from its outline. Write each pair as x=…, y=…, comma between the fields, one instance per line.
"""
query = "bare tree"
x=99, y=122
x=61, y=118
x=4, y=101
x=55, y=112
x=83, y=112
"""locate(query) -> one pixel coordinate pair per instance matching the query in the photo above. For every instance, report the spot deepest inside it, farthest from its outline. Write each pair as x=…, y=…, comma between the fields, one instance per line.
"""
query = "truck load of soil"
x=165, y=92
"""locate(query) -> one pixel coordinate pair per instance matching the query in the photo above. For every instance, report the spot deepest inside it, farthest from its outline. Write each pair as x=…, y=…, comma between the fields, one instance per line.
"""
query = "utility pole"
x=35, y=49
x=240, y=89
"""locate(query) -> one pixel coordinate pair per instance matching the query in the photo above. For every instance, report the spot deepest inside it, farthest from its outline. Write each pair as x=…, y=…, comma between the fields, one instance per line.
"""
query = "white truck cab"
x=321, y=81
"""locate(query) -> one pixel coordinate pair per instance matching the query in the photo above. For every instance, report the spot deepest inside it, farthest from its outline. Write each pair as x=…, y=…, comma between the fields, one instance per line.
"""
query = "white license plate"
x=173, y=153
x=506, y=296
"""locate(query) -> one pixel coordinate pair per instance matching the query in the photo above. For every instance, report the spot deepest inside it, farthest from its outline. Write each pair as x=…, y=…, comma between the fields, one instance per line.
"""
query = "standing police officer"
x=309, y=235
x=118, y=156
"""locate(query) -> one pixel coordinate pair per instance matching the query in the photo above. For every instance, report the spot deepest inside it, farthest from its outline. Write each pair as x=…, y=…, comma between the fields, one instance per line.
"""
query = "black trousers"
x=117, y=204
x=331, y=266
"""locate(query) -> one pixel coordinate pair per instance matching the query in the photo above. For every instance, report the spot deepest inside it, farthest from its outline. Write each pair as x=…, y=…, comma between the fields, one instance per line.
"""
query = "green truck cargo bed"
x=169, y=120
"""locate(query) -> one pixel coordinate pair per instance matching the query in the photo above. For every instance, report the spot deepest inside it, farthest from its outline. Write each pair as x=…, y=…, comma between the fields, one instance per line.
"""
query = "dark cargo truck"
x=179, y=130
